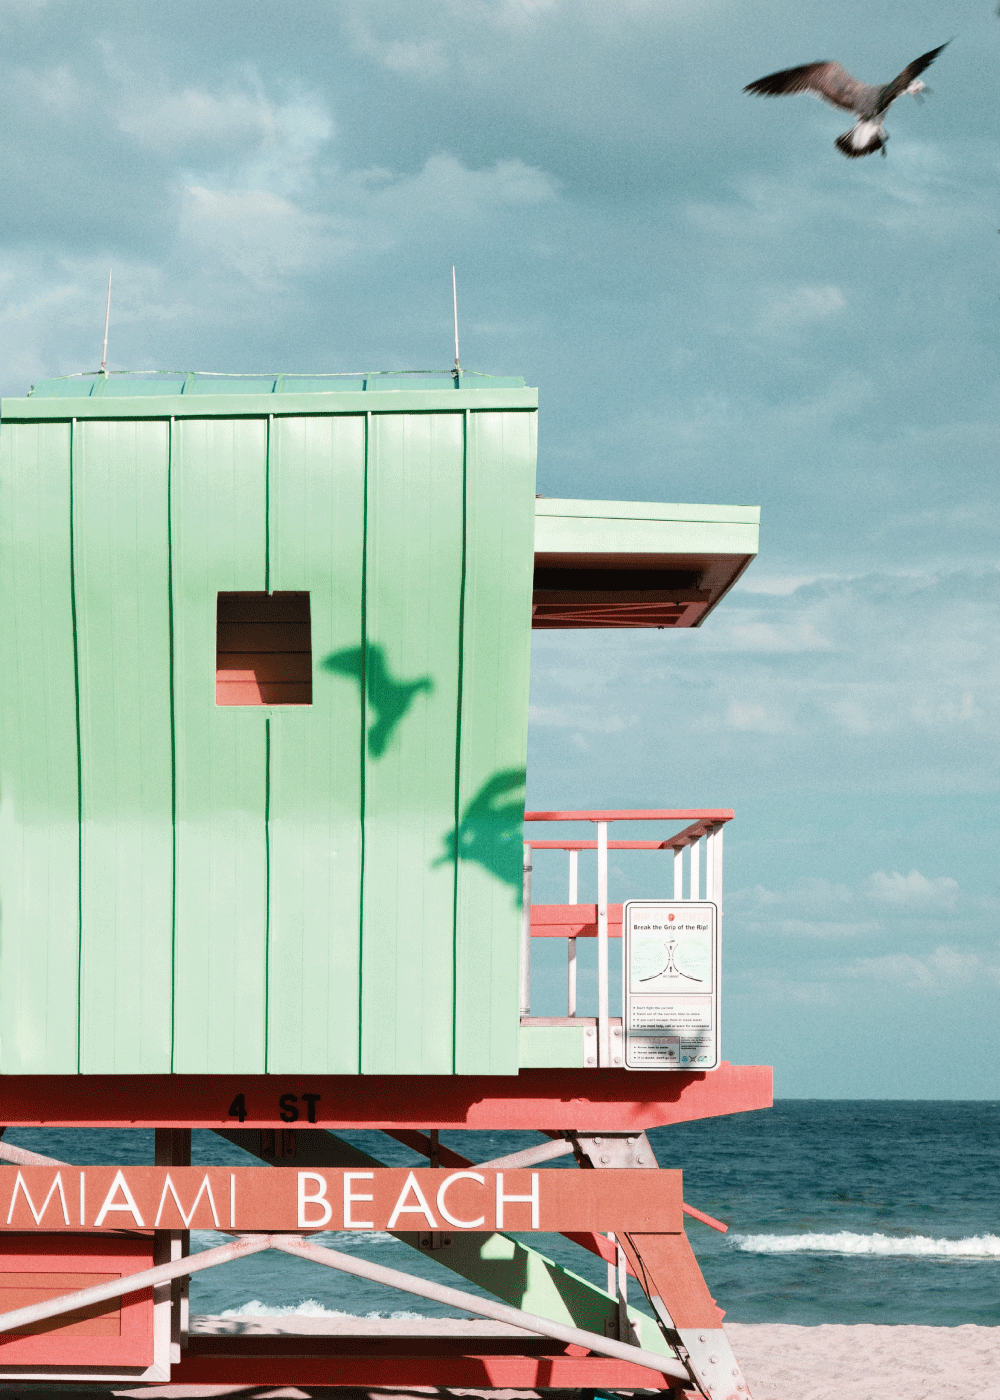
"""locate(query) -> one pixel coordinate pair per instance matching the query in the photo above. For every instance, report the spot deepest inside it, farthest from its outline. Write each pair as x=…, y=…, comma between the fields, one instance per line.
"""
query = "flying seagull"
x=835, y=85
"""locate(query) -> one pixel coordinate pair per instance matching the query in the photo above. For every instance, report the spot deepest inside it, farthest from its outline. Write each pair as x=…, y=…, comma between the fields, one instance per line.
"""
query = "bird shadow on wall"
x=491, y=829
x=387, y=698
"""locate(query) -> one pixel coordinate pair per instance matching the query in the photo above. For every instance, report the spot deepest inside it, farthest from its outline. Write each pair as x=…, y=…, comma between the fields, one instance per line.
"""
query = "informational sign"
x=671, y=984
x=384, y=1198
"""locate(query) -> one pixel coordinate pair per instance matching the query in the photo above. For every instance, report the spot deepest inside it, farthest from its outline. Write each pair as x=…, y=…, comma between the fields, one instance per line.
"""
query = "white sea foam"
x=844, y=1242
x=310, y=1308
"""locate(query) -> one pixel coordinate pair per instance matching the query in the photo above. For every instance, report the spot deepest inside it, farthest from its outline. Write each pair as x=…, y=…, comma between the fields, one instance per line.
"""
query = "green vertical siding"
x=317, y=522
x=414, y=579
x=39, y=796
x=331, y=887
x=219, y=490
x=500, y=523
x=123, y=638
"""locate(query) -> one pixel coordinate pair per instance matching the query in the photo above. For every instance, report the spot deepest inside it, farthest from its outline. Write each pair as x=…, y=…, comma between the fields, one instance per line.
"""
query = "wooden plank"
x=414, y=582
x=39, y=795
x=317, y=544
x=572, y=920
x=263, y=636
x=383, y=1198
x=264, y=666
x=247, y=690
x=273, y=608
x=500, y=494
x=123, y=630
x=219, y=545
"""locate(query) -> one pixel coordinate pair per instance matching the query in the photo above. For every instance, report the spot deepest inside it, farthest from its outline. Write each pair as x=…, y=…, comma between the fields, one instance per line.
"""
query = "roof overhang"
x=635, y=564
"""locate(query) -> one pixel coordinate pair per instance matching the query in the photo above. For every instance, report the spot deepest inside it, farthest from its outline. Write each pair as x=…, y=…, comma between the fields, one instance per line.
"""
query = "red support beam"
x=612, y=1100
x=518, y=1363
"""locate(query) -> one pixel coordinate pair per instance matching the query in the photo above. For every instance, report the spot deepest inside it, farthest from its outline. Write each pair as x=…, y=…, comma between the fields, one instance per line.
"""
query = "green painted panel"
x=219, y=513
x=414, y=580
x=39, y=834
x=550, y=1047
x=578, y=534
x=317, y=522
x=120, y=485
x=500, y=517
x=223, y=404
x=526, y=1279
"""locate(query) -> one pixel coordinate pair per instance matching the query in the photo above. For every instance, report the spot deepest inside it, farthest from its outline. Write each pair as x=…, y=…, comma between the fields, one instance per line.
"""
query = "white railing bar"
x=531, y=1156
x=678, y=872
x=24, y=1158
x=134, y=1283
x=622, y=1290
x=603, y=1024
x=574, y=892
x=718, y=867
x=695, y=892
x=612, y=1270
x=485, y=1307
x=526, y=933
x=710, y=863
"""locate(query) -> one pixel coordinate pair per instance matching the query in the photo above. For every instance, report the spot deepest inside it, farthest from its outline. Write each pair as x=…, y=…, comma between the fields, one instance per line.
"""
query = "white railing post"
x=718, y=866
x=678, y=872
x=574, y=870
x=526, y=934
x=603, y=1029
x=710, y=863
x=695, y=872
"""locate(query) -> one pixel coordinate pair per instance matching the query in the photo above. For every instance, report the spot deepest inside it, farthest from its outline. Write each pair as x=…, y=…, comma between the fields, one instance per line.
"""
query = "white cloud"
x=801, y=306
x=941, y=971
x=912, y=889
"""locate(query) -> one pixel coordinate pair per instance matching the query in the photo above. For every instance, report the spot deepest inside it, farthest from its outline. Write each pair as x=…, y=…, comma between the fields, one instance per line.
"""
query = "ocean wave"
x=844, y=1242
x=311, y=1308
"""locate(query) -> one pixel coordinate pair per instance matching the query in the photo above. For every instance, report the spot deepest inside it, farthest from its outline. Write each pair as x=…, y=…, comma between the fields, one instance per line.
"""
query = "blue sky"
x=716, y=306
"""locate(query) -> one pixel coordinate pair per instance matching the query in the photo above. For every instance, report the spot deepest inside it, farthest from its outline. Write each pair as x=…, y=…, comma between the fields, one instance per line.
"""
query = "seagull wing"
x=912, y=70
x=827, y=80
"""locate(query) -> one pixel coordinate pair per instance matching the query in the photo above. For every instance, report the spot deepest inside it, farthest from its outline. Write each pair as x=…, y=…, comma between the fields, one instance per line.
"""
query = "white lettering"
x=317, y=1198
x=533, y=1198
x=20, y=1186
x=232, y=1198
x=83, y=1199
x=349, y=1222
x=446, y=1213
x=121, y=1184
x=187, y=1217
x=421, y=1208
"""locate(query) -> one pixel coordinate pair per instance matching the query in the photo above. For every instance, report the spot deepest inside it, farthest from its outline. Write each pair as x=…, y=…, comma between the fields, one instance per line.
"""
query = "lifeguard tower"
x=265, y=869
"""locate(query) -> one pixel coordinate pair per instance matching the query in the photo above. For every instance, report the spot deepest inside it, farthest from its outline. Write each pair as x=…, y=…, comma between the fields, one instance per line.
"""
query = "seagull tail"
x=862, y=140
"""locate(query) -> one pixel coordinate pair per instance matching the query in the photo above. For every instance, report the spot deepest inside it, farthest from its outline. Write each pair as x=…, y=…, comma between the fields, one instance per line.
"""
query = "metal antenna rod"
x=107, y=318
x=454, y=302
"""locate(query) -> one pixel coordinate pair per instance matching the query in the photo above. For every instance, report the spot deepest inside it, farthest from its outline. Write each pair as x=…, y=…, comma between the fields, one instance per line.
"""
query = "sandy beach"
x=868, y=1362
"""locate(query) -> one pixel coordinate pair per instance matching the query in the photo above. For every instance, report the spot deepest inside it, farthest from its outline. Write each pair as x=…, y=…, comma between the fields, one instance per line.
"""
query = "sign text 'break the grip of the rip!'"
x=262, y=1198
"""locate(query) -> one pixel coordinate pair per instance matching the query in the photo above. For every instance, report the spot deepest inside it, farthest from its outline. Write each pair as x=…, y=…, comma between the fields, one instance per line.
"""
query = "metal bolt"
x=598, y=1139
x=618, y=1059
x=714, y=1360
x=590, y=1059
x=605, y=1160
x=631, y=1139
x=703, y=1338
x=640, y=1159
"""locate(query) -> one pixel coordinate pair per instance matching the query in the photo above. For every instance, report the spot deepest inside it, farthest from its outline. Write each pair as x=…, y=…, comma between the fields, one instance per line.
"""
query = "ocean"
x=839, y=1211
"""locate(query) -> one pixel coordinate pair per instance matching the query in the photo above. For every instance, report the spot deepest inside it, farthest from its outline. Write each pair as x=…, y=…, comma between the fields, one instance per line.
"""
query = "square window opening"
x=263, y=649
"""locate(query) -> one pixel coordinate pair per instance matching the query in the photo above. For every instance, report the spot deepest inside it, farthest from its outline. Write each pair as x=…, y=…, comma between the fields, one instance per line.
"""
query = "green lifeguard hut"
x=263, y=679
